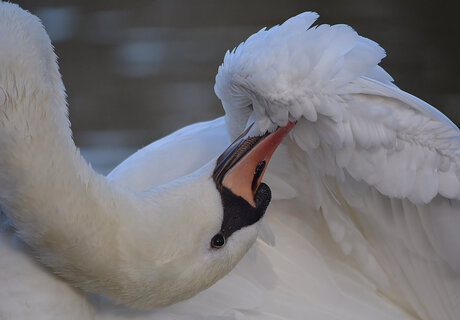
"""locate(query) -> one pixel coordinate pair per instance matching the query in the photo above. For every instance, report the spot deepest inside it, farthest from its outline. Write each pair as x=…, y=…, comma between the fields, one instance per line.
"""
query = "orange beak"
x=241, y=167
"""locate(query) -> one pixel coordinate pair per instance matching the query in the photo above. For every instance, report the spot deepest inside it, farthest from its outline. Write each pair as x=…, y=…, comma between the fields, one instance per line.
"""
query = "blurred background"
x=138, y=70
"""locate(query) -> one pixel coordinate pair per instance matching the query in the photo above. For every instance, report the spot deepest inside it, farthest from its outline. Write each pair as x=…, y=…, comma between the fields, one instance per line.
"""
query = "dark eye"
x=218, y=241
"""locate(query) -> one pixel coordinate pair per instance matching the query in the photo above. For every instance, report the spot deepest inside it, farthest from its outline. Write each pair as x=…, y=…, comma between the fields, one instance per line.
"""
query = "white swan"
x=365, y=189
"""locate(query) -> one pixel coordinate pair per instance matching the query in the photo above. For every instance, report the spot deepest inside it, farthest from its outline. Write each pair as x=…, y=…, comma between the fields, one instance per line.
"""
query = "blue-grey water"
x=137, y=70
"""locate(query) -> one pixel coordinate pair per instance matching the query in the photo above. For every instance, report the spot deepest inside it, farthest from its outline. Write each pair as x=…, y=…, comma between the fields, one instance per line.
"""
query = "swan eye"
x=218, y=241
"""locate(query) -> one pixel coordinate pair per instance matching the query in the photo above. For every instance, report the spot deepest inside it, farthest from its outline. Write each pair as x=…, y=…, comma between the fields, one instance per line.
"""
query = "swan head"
x=209, y=220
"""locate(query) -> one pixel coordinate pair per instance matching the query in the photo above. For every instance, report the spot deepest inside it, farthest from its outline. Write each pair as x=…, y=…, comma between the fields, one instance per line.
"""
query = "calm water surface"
x=137, y=70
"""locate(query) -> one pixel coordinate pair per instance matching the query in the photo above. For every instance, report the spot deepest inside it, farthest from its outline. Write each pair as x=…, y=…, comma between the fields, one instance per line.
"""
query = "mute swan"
x=365, y=192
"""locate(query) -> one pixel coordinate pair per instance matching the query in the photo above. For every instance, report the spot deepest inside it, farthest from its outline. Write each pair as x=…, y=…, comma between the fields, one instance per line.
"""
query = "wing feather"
x=381, y=165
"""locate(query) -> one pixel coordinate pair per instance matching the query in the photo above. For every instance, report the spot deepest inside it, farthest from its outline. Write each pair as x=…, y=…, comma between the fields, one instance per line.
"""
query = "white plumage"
x=366, y=189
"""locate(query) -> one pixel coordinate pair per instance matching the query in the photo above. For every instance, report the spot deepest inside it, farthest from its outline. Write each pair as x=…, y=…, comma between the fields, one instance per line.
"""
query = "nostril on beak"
x=257, y=173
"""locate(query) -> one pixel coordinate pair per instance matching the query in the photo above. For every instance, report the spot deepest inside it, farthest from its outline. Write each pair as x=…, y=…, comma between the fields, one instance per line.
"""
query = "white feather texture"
x=350, y=117
x=382, y=164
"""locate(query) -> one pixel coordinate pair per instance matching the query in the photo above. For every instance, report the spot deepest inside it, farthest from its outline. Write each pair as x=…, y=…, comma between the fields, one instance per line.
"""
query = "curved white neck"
x=48, y=191
x=97, y=235
x=64, y=210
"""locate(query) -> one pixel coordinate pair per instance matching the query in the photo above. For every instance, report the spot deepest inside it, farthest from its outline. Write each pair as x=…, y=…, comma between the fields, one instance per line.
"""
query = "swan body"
x=365, y=206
